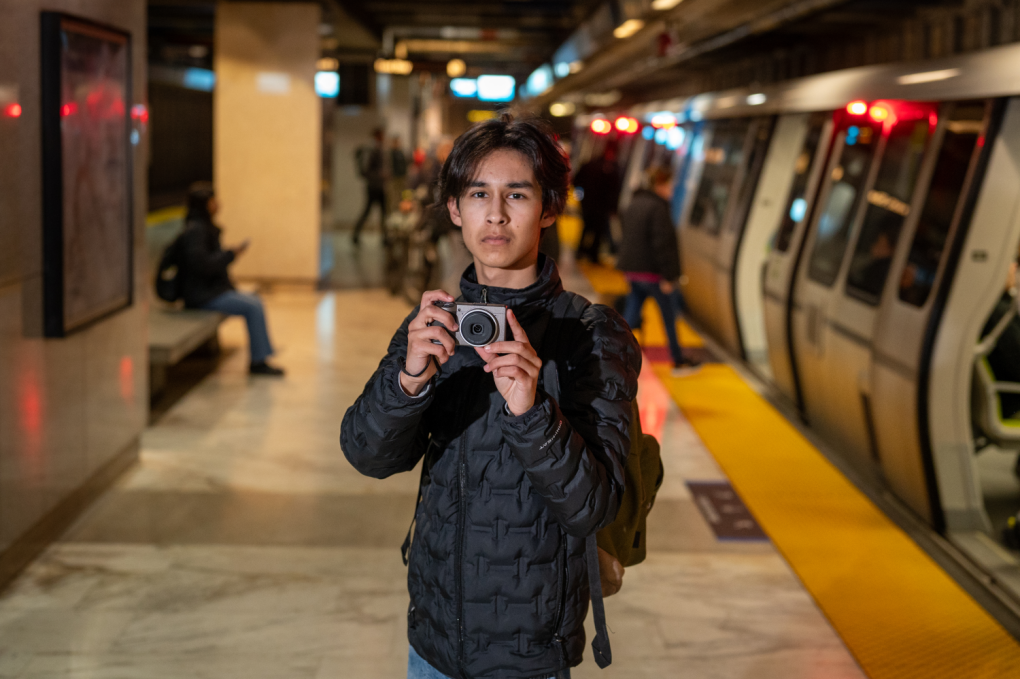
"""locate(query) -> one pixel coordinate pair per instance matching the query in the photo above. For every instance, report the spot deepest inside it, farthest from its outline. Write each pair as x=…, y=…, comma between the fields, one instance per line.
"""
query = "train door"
x=730, y=246
x=976, y=285
x=777, y=174
x=909, y=307
x=634, y=171
x=781, y=263
x=725, y=146
x=869, y=192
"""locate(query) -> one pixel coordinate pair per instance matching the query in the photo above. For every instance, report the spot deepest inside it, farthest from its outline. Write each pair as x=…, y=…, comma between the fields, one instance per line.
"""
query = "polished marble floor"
x=244, y=545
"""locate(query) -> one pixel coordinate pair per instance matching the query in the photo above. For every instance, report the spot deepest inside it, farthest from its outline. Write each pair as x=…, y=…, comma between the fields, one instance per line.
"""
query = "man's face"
x=500, y=213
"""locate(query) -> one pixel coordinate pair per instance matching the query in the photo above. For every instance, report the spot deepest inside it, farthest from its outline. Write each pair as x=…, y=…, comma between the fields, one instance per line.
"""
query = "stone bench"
x=175, y=333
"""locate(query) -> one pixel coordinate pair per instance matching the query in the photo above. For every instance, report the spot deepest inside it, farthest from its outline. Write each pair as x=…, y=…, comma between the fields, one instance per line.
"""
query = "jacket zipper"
x=485, y=295
x=461, y=520
x=562, y=606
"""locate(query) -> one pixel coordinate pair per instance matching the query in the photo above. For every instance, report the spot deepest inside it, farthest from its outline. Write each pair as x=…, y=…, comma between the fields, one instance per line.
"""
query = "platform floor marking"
x=896, y=610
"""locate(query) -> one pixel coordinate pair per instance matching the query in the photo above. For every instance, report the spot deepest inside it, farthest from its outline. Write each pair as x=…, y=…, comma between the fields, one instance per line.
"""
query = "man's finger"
x=516, y=328
x=512, y=359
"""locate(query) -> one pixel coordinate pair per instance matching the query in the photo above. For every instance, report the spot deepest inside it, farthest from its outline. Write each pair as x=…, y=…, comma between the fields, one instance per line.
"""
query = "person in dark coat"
x=599, y=181
x=513, y=480
x=206, y=284
x=650, y=259
x=372, y=165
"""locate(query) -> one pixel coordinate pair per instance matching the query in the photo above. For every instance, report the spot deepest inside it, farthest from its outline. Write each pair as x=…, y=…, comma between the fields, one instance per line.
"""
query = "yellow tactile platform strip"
x=897, y=611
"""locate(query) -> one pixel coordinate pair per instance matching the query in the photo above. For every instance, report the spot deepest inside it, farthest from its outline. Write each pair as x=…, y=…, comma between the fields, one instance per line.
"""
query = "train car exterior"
x=848, y=236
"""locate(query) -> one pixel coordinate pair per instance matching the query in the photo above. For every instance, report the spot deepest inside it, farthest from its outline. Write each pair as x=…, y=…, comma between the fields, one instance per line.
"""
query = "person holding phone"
x=205, y=281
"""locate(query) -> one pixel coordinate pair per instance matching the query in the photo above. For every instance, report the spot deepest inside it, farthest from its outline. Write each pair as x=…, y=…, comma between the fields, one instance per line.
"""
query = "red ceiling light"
x=879, y=113
x=857, y=108
x=601, y=126
x=628, y=125
x=12, y=110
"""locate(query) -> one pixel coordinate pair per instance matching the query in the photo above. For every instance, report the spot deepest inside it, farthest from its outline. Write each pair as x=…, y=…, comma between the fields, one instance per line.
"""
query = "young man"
x=650, y=259
x=514, y=480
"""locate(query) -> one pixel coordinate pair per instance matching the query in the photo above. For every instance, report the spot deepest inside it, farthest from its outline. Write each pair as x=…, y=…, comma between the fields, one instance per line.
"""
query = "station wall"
x=71, y=409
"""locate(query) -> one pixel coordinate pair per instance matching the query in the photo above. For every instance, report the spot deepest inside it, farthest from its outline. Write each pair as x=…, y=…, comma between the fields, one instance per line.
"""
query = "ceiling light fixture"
x=663, y=5
x=928, y=76
x=455, y=68
x=628, y=28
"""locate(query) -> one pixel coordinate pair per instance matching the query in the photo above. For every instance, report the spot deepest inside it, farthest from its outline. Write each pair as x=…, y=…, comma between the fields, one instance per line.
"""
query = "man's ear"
x=454, y=207
x=547, y=220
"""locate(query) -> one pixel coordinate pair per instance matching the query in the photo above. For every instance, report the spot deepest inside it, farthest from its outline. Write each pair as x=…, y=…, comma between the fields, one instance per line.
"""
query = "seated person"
x=205, y=283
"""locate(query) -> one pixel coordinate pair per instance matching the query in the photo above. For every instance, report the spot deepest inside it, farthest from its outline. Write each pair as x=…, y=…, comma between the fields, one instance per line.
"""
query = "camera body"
x=477, y=324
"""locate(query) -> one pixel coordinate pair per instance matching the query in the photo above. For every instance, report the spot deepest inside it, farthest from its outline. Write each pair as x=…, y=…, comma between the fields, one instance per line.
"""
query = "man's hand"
x=421, y=348
x=666, y=287
x=239, y=250
x=610, y=572
x=514, y=366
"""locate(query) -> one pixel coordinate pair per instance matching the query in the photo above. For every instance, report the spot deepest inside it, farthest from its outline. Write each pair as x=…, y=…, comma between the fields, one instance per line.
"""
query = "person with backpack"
x=203, y=279
x=372, y=168
x=650, y=259
x=524, y=441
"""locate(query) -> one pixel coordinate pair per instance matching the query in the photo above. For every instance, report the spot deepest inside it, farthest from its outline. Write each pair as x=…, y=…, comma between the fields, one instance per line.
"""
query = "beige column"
x=267, y=129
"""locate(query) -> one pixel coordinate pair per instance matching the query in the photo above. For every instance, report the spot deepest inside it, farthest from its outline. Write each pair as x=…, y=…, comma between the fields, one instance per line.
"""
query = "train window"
x=834, y=221
x=958, y=148
x=755, y=160
x=722, y=162
x=796, y=203
x=888, y=207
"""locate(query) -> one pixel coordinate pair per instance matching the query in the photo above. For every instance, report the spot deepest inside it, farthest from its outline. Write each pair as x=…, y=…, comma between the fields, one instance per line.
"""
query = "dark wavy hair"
x=199, y=194
x=528, y=135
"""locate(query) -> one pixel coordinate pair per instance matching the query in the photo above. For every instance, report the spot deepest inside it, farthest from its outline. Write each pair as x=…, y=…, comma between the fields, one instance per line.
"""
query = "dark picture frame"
x=88, y=212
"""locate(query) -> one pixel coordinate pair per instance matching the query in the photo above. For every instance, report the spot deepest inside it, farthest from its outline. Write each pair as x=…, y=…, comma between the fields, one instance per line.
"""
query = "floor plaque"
x=724, y=511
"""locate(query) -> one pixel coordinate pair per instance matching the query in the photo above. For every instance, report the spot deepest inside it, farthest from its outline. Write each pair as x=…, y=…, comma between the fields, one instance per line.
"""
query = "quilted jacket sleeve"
x=574, y=453
x=383, y=432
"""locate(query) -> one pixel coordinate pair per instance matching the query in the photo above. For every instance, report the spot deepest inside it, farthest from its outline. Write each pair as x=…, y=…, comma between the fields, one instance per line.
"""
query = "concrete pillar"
x=267, y=137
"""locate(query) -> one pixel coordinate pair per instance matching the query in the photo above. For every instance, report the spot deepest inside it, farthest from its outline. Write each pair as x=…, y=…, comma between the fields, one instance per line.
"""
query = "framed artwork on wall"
x=87, y=185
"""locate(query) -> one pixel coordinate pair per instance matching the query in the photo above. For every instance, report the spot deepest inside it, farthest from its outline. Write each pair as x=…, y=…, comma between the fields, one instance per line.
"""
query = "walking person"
x=205, y=281
x=650, y=259
x=513, y=479
x=599, y=181
x=371, y=165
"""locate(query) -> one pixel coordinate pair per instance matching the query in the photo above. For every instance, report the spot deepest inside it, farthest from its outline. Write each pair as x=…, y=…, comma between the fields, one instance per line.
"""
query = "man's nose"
x=497, y=212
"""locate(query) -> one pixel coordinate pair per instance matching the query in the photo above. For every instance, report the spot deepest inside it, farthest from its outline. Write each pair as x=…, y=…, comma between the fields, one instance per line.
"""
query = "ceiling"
x=509, y=36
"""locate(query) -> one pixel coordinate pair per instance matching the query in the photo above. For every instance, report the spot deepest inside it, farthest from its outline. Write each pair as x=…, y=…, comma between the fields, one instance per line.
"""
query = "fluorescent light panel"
x=928, y=76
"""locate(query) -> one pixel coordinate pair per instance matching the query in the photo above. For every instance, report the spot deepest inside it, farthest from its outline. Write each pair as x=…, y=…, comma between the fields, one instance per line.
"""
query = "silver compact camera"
x=477, y=324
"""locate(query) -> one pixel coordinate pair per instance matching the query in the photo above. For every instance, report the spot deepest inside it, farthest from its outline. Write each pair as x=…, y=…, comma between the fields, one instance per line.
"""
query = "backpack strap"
x=571, y=306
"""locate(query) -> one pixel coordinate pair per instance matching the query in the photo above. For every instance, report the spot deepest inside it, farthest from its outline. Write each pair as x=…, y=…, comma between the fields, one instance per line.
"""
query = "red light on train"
x=12, y=110
x=601, y=126
x=857, y=108
x=628, y=125
x=879, y=113
x=68, y=109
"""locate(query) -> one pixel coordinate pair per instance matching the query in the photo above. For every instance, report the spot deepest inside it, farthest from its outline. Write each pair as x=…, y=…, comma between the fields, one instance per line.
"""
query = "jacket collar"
x=541, y=292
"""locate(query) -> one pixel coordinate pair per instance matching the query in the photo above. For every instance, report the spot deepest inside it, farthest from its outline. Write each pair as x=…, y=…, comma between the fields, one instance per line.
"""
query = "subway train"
x=849, y=237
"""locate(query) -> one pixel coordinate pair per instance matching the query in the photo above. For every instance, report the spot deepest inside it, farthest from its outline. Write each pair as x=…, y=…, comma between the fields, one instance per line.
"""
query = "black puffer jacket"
x=497, y=573
x=649, y=239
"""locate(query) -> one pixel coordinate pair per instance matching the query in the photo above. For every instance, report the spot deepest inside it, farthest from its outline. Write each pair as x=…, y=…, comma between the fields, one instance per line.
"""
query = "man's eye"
x=517, y=195
x=478, y=194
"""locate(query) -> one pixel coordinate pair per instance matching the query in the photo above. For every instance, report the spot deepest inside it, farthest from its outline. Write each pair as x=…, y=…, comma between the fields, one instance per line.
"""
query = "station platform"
x=244, y=544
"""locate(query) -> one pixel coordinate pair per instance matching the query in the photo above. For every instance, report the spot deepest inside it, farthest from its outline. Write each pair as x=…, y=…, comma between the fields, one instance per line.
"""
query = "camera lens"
x=478, y=328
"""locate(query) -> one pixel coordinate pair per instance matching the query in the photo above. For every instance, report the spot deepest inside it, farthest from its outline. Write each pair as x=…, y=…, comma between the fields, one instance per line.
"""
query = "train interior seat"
x=996, y=405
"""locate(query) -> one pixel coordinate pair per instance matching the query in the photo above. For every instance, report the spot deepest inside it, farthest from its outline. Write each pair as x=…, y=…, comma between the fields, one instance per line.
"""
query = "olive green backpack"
x=626, y=537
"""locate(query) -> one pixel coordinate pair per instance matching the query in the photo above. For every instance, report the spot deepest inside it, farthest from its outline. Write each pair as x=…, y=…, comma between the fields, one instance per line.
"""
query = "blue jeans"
x=418, y=668
x=639, y=292
x=235, y=303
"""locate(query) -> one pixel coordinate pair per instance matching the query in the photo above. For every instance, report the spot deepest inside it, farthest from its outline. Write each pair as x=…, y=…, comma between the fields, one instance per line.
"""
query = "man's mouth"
x=496, y=240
